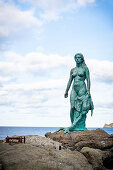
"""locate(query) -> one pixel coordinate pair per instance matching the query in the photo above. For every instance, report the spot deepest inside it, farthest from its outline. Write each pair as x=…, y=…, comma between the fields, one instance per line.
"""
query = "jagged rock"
x=98, y=139
x=95, y=145
x=39, y=153
x=87, y=150
x=94, y=157
x=98, y=158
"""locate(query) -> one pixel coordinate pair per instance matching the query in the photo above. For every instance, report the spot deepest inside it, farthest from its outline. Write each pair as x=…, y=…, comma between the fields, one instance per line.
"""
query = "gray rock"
x=87, y=150
x=39, y=153
x=95, y=145
x=94, y=157
x=99, y=159
x=97, y=139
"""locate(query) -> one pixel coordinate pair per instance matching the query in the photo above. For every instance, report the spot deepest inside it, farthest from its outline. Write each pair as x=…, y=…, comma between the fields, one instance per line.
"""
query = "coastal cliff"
x=108, y=125
x=87, y=150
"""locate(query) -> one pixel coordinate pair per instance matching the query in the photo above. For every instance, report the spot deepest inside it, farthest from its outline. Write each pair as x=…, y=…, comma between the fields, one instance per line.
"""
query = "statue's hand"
x=66, y=94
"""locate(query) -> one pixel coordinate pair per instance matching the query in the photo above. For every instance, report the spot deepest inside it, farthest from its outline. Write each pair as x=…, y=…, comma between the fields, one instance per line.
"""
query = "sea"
x=22, y=131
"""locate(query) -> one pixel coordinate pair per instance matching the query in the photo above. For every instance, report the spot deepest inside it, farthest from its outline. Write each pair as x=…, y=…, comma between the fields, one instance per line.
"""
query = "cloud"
x=27, y=92
x=39, y=100
x=50, y=84
x=101, y=70
x=102, y=93
x=84, y=2
x=31, y=62
x=14, y=20
x=52, y=10
x=34, y=62
x=17, y=22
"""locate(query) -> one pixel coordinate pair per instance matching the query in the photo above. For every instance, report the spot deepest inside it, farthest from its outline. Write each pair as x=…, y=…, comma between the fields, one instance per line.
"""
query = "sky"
x=38, y=41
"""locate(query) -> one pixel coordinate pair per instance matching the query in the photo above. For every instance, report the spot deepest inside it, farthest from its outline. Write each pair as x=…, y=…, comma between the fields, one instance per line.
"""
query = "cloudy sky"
x=38, y=41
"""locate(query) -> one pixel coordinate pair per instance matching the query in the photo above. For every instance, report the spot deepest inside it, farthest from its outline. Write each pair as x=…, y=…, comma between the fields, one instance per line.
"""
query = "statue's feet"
x=61, y=128
x=67, y=130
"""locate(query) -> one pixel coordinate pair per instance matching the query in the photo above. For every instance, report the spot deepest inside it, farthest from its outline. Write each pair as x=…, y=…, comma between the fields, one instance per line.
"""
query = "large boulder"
x=94, y=157
x=95, y=145
x=39, y=153
x=87, y=150
x=98, y=158
x=97, y=139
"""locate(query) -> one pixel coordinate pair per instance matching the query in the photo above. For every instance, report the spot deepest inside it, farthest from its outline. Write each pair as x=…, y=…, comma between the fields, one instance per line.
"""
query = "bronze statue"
x=80, y=98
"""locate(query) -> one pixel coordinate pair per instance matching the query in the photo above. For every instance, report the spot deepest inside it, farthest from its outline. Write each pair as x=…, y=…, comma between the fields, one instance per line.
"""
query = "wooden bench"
x=18, y=138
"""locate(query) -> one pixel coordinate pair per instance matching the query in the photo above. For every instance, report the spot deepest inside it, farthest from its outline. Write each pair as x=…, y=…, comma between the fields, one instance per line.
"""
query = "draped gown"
x=80, y=100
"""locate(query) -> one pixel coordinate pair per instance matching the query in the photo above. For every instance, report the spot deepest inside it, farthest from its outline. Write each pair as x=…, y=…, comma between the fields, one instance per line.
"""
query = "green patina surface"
x=80, y=97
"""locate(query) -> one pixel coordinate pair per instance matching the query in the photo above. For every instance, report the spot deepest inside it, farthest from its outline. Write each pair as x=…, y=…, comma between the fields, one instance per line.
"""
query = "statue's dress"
x=80, y=100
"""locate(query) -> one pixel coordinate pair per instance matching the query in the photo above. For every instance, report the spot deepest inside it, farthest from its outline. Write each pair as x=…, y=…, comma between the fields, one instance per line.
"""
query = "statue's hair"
x=81, y=55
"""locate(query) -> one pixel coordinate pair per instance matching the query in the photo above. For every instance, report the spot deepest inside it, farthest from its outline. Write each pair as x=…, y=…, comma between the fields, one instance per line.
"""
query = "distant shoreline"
x=108, y=125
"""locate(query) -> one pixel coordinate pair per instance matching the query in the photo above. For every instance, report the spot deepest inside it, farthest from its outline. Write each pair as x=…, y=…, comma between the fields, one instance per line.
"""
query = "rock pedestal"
x=86, y=150
x=95, y=145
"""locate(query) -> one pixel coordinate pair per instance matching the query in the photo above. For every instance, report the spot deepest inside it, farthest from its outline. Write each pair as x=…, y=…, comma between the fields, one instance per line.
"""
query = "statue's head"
x=79, y=58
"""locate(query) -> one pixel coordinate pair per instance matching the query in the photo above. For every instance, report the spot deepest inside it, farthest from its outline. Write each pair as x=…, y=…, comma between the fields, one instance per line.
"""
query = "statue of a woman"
x=80, y=98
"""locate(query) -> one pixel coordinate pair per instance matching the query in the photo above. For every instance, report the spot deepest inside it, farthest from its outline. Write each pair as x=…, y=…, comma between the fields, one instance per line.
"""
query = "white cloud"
x=101, y=70
x=13, y=20
x=103, y=94
x=16, y=22
x=51, y=83
x=35, y=96
x=84, y=2
x=33, y=62
x=52, y=9
x=4, y=79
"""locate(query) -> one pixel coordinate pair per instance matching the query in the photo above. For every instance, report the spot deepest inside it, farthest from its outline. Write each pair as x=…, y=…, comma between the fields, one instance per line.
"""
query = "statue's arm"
x=88, y=80
x=69, y=84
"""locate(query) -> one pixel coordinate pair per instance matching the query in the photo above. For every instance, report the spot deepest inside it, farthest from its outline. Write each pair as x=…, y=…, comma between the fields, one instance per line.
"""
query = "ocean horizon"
x=23, y=131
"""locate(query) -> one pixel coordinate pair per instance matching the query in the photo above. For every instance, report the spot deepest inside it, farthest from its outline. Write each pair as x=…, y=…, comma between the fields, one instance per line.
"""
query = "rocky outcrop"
x=87, y=150
x=95, y=145
x=97, y=139
x=98, y=159
x=108, y=125
x=39, y=153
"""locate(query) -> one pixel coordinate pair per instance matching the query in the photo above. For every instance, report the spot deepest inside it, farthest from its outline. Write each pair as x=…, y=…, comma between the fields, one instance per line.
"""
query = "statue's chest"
x=78, y=72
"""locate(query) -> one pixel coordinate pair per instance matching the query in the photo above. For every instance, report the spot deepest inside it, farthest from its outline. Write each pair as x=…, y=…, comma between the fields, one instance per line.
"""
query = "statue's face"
x=78, y=59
